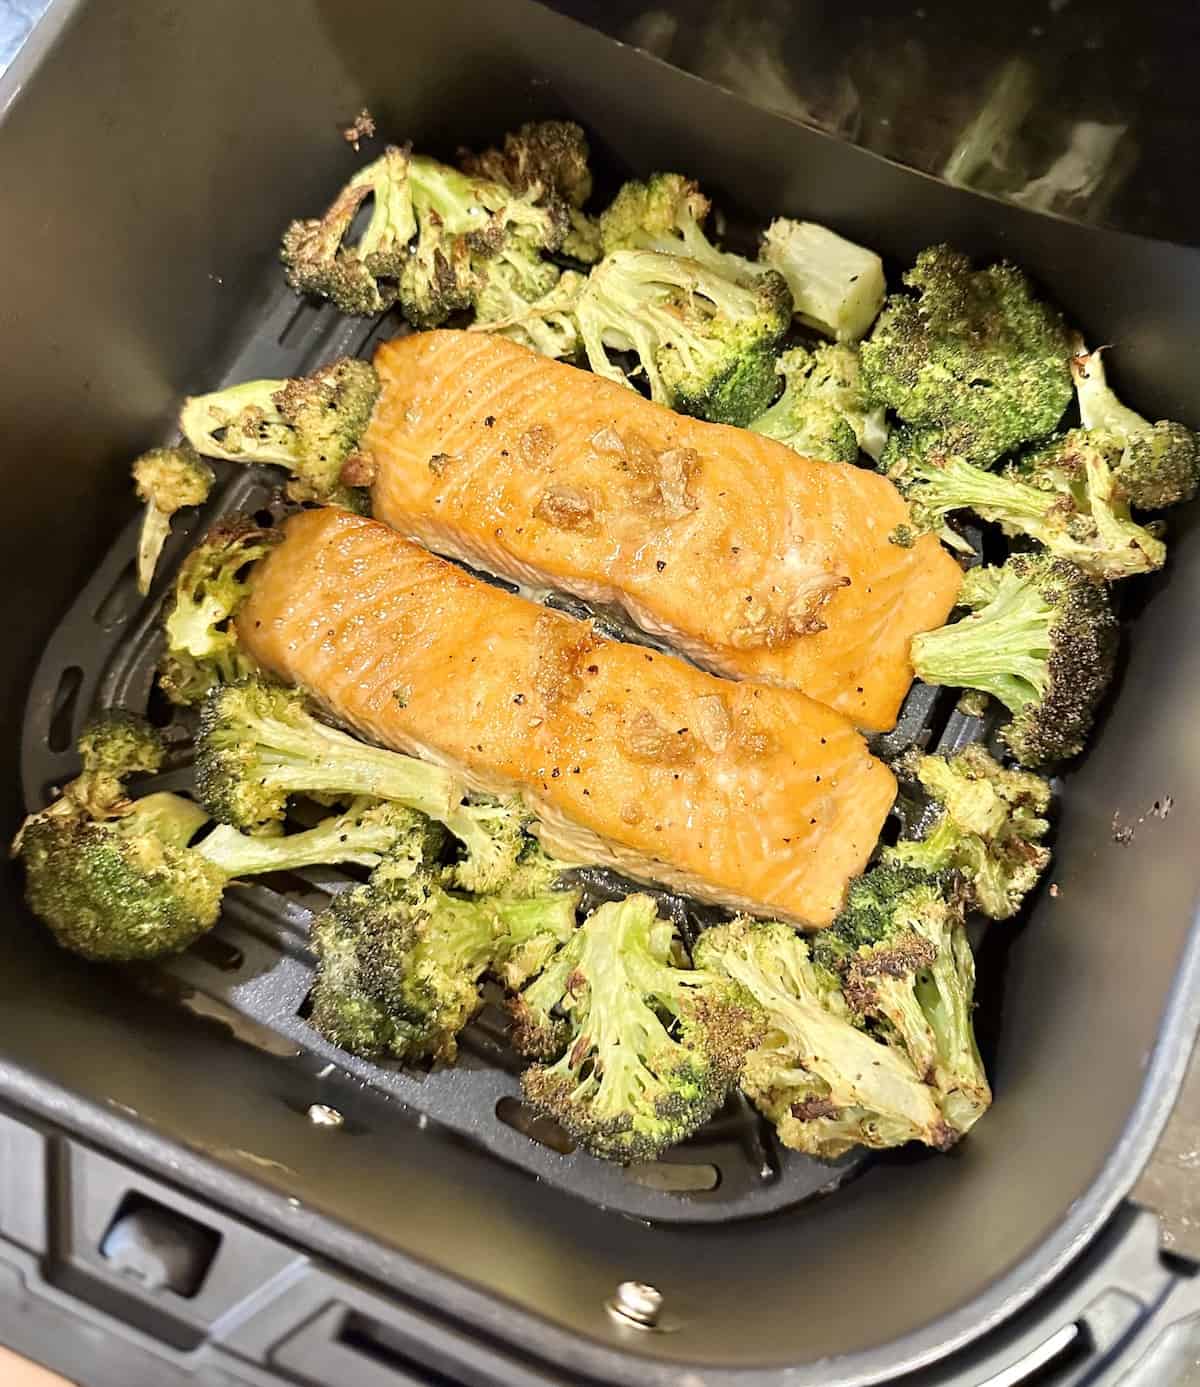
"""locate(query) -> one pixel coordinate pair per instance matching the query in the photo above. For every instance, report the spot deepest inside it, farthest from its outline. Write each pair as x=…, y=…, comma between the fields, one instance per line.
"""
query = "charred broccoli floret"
x=825, y=1083
x=202, y=643
x=900, y=948
x=1062, y=493
x=972, y=353
x=705, y=344
x=311, y=425
x=1159, y=464
x=399, y=959
x=649, y=1049
x=1041, y=638
x=359, y=277
x=550, y=156
x=113, y=745
x=167, y=480
x=544, y=322
x=988, y=827
x=130, y=885
x=837, y=286
x=825, y=410
x=258, y=743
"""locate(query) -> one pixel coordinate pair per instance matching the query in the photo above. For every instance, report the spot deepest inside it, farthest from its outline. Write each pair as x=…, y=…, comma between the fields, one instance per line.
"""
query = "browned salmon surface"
x=748, y=795
x=753, y=561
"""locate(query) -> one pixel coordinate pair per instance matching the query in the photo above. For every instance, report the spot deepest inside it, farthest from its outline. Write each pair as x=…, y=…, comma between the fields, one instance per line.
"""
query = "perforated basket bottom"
x=255, y=971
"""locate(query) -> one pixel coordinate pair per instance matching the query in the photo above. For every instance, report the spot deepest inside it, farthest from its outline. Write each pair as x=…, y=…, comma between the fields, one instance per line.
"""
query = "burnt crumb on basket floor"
x=1123, y=834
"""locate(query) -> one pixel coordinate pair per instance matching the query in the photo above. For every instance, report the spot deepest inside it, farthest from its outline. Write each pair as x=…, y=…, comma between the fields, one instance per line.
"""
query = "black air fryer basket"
x=174, y=1182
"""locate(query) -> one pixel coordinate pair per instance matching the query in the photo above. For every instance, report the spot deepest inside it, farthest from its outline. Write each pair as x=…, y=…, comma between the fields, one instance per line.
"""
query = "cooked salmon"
x=755, y=562
x=743, y=794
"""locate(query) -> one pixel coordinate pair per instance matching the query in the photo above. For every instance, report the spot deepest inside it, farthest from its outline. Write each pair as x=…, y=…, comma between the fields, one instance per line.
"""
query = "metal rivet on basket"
x=637, y=1304
x=321, y=1115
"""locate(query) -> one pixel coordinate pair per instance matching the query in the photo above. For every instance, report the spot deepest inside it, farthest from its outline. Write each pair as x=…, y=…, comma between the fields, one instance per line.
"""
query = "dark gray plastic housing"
x=149, y=156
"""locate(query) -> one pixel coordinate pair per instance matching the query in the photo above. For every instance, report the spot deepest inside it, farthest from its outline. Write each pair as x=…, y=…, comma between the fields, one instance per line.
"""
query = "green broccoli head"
x=166, y=480
x=901, y=950
x=202, y=644
x=972, y=352
x=649, y=1049
x=1042, y=639
x=360, y=277
x=827, y=1084
x=825, y=410
x=1061, y=493
x=400, y=958
x=312, y=425
x=1158, y=464
x=705, y=344
x=117, y=742
x=989, y=827
x=259, y=742
x=498, y=851
x=538, y=313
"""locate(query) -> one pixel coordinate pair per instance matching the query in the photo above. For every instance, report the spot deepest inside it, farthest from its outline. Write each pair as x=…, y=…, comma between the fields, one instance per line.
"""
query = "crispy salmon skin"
x=750, y=796
x=755, y=562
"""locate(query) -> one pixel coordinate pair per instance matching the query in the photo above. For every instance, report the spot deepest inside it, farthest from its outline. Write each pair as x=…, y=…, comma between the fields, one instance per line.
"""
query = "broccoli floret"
x=167, y=480
x=466, y=226
x=545, y=322
x=120, y=743
x=1062, y=494
x=666, y=214
x=258, y=743
x=989, y=827
x=550, y=156
x=202, y=644
x=825, y=411
x=901, y=950
x=359, y=277
x=973, y=353
x=1041, y=638
x=826, y=1084
x=650, y=1049
x=312, y=425
x=705, y=344
x=1159, y=463
x=399, y=959
x=130, y=886
x=837, y=287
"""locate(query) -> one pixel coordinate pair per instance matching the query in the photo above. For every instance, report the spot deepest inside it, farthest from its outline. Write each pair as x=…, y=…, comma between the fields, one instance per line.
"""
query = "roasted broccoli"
x=312, y=425
x=705, y=344
x=400, y=959
x=359, y=277
x=1041, y=638
x=972, y=353
x=837, y=287
x=988, y=826
x=637, y=1051
x=431, y=229
x=666, y=214
x=826, y=1084
x=1159, y=464
x=544, y=322
x=202, y=643
x=1062, y=493
x=167, y=480
x=825, y=410
x=900, y=948
x=258, y=743
x=549, y=156
x=129, y=884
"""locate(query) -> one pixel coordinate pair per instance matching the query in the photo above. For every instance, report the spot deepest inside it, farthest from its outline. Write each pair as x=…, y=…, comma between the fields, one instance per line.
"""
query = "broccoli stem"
x=958, y=485
x=343, y=839
x=1099, y=407
x=204, y=420
x=168, y=817
x=1002, y=650
x=319, y=758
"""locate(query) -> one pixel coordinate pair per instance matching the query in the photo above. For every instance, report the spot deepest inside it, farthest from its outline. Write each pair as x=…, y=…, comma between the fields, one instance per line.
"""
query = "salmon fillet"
x=742, y=794
x=755, y=562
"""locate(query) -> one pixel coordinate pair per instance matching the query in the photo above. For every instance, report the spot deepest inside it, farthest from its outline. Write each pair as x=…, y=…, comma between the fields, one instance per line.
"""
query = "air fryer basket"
x=141, y=268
